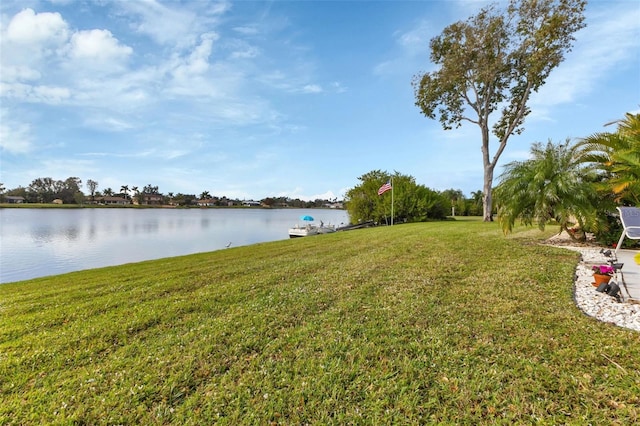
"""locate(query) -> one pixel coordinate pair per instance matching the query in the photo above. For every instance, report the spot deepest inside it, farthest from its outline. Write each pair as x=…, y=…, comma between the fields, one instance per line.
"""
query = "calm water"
x=41, y=242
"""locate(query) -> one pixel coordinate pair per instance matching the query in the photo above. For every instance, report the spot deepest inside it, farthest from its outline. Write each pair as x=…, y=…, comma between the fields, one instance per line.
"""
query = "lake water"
x=41, y=242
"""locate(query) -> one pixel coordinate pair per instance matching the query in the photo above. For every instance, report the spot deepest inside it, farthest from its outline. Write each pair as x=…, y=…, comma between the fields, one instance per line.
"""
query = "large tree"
x=92, y=185
x=69, y=191
x=493, y=62
x=43, y=190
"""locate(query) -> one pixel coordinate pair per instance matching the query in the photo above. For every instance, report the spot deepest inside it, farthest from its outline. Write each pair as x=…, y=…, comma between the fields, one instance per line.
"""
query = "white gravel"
x=600, y=305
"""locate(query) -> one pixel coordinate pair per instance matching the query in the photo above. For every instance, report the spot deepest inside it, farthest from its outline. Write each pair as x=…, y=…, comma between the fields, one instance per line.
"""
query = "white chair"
x=630, y=218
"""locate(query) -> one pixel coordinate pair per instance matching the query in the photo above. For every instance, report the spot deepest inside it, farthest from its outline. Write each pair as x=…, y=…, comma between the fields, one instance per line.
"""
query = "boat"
x=309, y=229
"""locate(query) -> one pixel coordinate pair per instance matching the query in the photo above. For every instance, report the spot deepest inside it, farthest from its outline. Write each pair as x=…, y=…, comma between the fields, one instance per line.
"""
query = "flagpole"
x=391, y=200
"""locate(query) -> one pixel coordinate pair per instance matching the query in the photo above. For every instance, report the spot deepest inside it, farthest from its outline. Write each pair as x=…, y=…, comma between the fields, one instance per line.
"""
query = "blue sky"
x=280, y=98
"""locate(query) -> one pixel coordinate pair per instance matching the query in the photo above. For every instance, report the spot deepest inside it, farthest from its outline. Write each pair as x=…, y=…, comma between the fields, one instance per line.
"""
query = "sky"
x=252, y=99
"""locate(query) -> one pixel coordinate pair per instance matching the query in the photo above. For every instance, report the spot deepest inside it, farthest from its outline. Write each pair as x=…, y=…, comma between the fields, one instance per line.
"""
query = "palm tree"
x=135, y=191
x=108, y=192
x=618, y=156
x=205, y=195
x=552, y=186
x=476, y=203
x=124, y=189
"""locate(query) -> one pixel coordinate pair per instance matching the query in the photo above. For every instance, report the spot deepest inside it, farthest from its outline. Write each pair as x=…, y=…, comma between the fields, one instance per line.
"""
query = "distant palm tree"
x=552, y=186
x=108, y=192
x=476, y=203
x=205, y=195
x=618, y=156
x=135, y=191
x=124, y=189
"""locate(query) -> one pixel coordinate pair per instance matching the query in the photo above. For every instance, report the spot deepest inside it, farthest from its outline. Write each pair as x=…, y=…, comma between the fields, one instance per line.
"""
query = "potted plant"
x=601, y=274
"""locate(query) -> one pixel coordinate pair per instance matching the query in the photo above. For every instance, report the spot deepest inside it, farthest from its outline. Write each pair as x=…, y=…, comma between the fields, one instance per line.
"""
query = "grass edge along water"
x=447, y=322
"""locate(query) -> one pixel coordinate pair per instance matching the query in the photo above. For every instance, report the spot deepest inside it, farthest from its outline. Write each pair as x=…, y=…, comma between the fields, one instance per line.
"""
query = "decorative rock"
x=600, y=305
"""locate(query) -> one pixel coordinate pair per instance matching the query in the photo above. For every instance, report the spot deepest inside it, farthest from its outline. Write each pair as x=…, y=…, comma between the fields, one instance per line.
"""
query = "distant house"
x=112, y=201
x=58, y=201
x=336, y=205
x=207, y=202
x=151, y=199
x=13, y=199
x=251, y=203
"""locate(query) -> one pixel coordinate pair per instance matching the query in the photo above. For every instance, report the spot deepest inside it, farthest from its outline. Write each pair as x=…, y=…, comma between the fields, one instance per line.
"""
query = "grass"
x=448, y=323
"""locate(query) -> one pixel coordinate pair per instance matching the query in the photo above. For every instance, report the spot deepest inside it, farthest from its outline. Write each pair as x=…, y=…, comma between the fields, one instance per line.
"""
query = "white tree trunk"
x=487, y=197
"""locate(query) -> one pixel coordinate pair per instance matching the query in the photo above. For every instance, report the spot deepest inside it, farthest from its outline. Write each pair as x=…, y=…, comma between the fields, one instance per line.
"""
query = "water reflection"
x=147, y=227
x=48, y=234
x=39, y=242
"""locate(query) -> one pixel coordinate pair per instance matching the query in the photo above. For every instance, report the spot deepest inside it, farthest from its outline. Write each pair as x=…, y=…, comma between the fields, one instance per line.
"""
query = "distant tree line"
x=46, y=190
x=413, y=202
x=69, y=191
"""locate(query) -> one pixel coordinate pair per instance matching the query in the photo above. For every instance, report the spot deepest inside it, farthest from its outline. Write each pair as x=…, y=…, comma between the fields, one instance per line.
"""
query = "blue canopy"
x=307, y=217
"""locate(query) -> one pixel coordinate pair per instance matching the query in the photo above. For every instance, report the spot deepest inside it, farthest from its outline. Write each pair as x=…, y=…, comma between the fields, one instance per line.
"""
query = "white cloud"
x=27, y=40
x=247, y=30
x=62, y=168
x=45, y=62
x=161, y=23
x=51, y=94
x=108, y=123
x=123, y=93
x=176, y=26
x=312, y=88
x=243, y=50
x=37, y=29
x=190, y=74
x=37, y=94
x=338, y=87
x=98, y=46
x=19, y=73
x=198, y=62
x=15, y=137
x=613, y=37
x=412, y=52
x=416, y=40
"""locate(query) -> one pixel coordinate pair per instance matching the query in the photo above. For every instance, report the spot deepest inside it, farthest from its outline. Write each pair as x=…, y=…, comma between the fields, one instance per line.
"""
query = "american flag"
x=384, y=188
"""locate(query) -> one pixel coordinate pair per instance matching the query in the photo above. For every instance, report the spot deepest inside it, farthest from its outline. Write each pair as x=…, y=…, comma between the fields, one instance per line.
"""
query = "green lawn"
x=449, y=323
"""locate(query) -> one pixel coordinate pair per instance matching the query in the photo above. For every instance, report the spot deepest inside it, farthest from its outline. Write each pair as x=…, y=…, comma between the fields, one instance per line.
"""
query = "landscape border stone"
x=600, y=306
